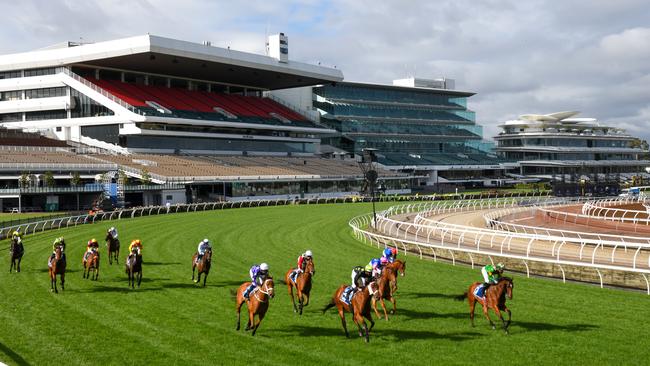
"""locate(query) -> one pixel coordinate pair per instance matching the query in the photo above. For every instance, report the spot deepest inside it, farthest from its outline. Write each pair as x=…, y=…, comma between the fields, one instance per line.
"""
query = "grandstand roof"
x=406, y=88
x=166, y=56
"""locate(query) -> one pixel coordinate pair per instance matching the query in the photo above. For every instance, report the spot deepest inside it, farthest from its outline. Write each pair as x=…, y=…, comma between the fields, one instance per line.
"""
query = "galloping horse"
x=57, y=267
x=257, y=303
x=90, y=263
x=495, y=298
x=388, y=277
x=16, y=252
x=359, y=307
x=203, y=265
x=113, y=246
x=302, y=285
x=134, y=267
x=400, y=268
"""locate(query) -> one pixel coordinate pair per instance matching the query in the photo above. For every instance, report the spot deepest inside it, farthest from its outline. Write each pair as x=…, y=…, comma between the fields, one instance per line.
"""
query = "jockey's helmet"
x=500, y=266
x=206, y=241
x=264, y=267
x=387, y=252
x=384, y=260
x=308, y=253
x=368, y=268
x=394, y=251
x=112, y=228
x=16, y=234
x=93, y=240
x=375, y=262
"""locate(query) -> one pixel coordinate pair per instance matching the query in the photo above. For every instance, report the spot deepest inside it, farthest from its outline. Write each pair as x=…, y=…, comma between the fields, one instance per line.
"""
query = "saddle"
x=347, y=295
x=294, y=275
x=479, y=292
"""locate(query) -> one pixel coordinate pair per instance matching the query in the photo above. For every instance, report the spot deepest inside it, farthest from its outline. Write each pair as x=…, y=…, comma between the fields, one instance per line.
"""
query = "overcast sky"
x=518, y=56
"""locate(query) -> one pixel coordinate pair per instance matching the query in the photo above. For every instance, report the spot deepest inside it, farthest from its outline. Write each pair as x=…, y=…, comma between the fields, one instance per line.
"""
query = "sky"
x=519, y=57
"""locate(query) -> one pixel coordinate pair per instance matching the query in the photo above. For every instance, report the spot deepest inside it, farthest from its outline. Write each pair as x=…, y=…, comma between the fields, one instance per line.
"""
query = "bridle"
x=267, y=292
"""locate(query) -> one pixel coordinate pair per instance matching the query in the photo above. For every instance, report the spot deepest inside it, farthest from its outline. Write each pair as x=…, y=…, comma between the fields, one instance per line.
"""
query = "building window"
x=41, y=115
x=11, y=74
x=39, y=72
x=11, y=117
x=58, y=129
x=45, y=93
x=11, y=95
x=86, y=107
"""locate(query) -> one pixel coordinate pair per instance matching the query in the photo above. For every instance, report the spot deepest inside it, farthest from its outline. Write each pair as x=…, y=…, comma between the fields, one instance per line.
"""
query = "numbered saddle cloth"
x=346, y=295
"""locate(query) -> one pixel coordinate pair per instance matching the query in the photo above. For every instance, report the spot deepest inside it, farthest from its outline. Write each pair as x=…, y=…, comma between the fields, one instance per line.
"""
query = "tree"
x=146, y=177
x=75, y=179
x=48, y=178
x=23, y=181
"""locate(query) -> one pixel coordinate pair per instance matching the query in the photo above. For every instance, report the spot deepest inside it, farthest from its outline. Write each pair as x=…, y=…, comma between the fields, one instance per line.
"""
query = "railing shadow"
x=18, y=359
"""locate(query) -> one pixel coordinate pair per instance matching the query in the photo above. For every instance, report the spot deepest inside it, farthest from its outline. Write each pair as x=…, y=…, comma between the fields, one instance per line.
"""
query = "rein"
x=267, y=292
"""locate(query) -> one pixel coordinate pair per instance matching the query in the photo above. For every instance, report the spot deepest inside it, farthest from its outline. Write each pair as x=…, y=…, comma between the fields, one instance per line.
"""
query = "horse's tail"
x=461, y=297
x=233, y=294
x=329, y=306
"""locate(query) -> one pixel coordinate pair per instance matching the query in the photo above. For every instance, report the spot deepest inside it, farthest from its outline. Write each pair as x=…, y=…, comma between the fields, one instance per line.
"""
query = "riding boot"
x=486, y=285
x=248, y=291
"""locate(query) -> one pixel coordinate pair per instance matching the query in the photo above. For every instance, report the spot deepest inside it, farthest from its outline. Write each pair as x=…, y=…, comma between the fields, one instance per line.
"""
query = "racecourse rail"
x=425, y=235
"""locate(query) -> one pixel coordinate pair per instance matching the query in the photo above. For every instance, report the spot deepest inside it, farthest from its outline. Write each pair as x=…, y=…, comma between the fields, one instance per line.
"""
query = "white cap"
x=112, y=228
x=264, y=267
x=308, y=253
x=206, y=240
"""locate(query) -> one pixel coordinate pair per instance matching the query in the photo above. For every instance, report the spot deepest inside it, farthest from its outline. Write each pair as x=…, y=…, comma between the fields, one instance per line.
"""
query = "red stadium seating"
x=196, y=101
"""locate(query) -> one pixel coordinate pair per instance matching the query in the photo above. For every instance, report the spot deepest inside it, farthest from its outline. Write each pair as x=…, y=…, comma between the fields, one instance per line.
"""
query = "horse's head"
x=57, y=252
x=267, y=287
x=309, y=268
x=208, y=255
x=400, y=267
x=507, y=285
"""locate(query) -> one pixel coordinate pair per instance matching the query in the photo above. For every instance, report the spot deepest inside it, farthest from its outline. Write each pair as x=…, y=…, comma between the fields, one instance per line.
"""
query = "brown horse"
x=90, y=263
x=203, y=265
x=359, y=307
x=113, y=246
x=257, y=303
x=400, y=268
x=134, y=268
x=57, y=267
x=302, y=285
x=388, y=277
x=16, y=252
x=495, y=298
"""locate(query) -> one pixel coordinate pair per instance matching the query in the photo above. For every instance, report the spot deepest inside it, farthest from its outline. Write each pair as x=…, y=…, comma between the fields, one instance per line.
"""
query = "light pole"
x=368, y=157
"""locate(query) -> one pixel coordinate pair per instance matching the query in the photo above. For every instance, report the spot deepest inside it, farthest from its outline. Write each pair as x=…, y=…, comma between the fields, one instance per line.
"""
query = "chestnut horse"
x=134, y=268
x=302, y=285
x=57, y=268
x=495, y=298
x=90, y=263
x=400, y=268
x=359, y=307
x=257, y=303
x=16, y=252
x=384, y=288
x=203, y=265
x=113, y=248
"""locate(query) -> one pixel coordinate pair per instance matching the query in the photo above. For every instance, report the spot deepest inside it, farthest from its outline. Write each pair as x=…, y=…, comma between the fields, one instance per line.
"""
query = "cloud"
x=518, y=56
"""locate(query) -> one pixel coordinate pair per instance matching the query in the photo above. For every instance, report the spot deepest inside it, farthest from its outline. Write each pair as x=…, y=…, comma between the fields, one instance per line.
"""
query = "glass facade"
x=216, y=144
x=398, y=121
x=86, y=107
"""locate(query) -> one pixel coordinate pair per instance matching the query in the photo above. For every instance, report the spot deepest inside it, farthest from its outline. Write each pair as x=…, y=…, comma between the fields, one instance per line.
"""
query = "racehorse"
x=494, y=298
x=399, y=267
x=113, y=246
x=302, y=285
x=359, y=307
x=16, y=252
x=388, y=277
x=90, y=263
x=57, y=267
x=257, y=303
x=203, y=265
x=134, y=267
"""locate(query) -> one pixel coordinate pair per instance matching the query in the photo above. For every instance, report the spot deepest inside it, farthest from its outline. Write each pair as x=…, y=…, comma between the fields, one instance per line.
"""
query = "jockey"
x=375, y=266
x=113, y=232
x=17, y=236
x=491, y=275
x=361, y=276
x=137, y=245
x=258, y=274
x=204, y=246
x=302, y=260
x=58, y=242
x=389, y=254
x=92, y=246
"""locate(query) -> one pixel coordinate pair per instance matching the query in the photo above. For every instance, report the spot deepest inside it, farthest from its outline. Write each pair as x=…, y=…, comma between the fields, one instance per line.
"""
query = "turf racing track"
x=606, y=242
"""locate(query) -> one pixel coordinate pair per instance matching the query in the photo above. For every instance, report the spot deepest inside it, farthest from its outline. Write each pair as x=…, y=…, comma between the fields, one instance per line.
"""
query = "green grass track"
x=170, y=320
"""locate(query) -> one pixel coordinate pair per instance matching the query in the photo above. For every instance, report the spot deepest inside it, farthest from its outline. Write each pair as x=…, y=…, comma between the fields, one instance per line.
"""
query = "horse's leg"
x=193, y=268
x=300, y=301
x=293, y=301
x=62, y=281
x=505, y=308
x=260, y=316
x=368, y=315
x=363, y=328
x=345, y=327
x=20, y=259
x=472, y=305
x=394, y=301
x=485, y=311
x=238, y=309
x=139, y=277
x=383, y=306
x=503, y=322
x=251, y=316
x=374, y=306
x=205, y=278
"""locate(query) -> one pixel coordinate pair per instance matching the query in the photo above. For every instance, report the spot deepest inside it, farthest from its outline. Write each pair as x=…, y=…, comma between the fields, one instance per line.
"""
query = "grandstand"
x=421, y=127
x=193, y=119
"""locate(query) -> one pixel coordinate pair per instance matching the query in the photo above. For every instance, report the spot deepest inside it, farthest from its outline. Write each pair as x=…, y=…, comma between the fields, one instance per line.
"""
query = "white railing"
x=431, y=238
